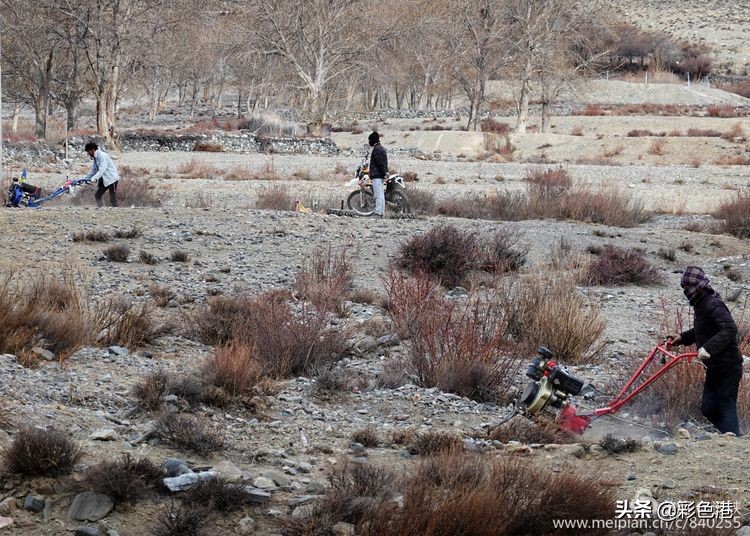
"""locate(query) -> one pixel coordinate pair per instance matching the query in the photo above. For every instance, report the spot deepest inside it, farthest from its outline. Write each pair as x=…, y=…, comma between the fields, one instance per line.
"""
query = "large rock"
x=90, y=506
x=174, y=467
x=33, y=504
x=5, y=522
x=257, y=496
x=228, y=471
x=105, y=434
x=188, y=480
x=666, y=447
x=246, y=526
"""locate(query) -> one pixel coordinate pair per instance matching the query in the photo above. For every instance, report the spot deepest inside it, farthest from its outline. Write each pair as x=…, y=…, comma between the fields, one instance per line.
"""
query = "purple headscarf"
x=693, y=281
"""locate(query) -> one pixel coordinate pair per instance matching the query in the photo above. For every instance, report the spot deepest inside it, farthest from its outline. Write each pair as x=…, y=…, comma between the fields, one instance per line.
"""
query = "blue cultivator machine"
x=23, y=194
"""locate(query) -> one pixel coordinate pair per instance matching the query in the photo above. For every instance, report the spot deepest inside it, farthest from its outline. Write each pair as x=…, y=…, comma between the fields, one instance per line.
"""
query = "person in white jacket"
x=104, y=172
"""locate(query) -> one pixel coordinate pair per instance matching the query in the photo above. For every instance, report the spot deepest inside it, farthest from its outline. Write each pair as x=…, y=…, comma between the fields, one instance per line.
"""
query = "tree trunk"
x=545, y=115
x=101, y=115
x=16, y=116
x=523, y=108
x=71, y=110
x=40, y=111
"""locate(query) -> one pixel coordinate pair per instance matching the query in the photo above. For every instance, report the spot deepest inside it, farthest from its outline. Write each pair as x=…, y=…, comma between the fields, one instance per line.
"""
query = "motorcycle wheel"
x=363, y=204
x=400, y=203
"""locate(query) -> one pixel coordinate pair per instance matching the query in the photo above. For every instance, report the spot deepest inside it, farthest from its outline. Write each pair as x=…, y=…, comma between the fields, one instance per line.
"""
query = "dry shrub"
x=410, y=176
x=162, y=296
x=150, y=391
x=657, y=147
x=468, y=494
x=736, y=160
x=431, y=443
x=233, y=368
x=90, y=236
x=616, y=266
x=190, y=433
x=668, y=254
x=140, y=192
x=501, y=252
x=544, y=190
x=577, y=130
x=41, y=452
x=409, y=300
x=703, y=133
x=217, y=494
x=592, y=110
x=206, y=147
x=639, y=133
x=736, y=132
x=285, y=342
x=134, y=326
x=496, y=127
x=239, y=173
x=274, y=197
x=421, y=201
x=50, y=311
x=445, y=252
x=195, y=169
x=148, y=258
x=326, y=279
x=541, y=430
x=735, y=214
x=179, y=255
x=499, y=205
x=133, y=232
x=201, y=200
x=615, y=445
x=180, y=520
x=458, y=346
x=124, y=480
x=547, y=310
x=117, y=253
x=723, y=111
x=367, y=437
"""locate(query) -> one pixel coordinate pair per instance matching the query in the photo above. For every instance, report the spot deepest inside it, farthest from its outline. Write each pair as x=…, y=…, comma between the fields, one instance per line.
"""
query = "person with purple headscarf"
x=714, y=332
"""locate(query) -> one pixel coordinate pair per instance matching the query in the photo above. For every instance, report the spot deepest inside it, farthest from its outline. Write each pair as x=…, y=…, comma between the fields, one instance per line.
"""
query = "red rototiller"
x=553, y=386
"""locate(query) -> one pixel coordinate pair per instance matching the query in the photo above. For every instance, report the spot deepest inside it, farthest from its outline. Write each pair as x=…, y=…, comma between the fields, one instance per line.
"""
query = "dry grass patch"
x=90, y=236
x=180, y=520
x=189, y=432
x=616, y=266
x=134, y=326
x=735, y=215
x=367, y=437
x=233, y=368
x=541, y=430
x=124, y=480
x=195, y=169
x=275, y=197
x=117, y=253
x=218, y=495
x=326, y=279
x=41, y=452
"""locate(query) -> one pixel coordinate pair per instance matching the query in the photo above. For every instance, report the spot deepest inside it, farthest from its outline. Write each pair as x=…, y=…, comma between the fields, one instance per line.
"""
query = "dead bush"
x=217, y=494
x=657, y=147
x=616, y=445
x=577, y=130
x=494, y=126
x=326, y=279
x=616, y=266
x=421, y=201
x=547, y=310
x=133, y=232
x=735, y=214
x=274, y=197
x=41, y=452
x=703, y=133
x=124, y=480
x=180, y=520
x=432, y=443
x=117, y=253
x=736, y=160
x=233, y=368
x=500, y=205
x=286, y=342
x=195, y=169
x=541, y=430
x=190, y=433
x=409, y=300
x=208, y=147
x=150, y=391
x=330, y=379
x=367, y=437
x=90, y=236
x=140, y=192
x=148, y=258
x=467, y=494
x=445, y=252
x=734, y=133
x=723, y=111
x=639, y=133
x=162, y=296
x=179, y=255
x=134, y=326
x=367, y=296
x=668, y=254
x=592, y=110
x=501, y=252
x=458, y=346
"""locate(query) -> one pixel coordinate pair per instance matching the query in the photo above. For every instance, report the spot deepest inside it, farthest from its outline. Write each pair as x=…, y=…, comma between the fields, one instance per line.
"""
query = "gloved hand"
x=676, y=340
x=703, y=354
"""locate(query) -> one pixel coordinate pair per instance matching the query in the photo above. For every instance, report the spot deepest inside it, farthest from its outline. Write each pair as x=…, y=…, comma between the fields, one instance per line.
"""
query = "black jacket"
x=378, y=162
x=714, y=329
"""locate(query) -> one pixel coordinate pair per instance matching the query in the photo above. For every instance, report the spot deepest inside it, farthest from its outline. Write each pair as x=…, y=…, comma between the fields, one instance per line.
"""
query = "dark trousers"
x=720, y=397
x=100, y=193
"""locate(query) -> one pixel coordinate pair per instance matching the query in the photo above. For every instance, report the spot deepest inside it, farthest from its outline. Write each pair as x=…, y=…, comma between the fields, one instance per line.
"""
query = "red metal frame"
x=578, y=422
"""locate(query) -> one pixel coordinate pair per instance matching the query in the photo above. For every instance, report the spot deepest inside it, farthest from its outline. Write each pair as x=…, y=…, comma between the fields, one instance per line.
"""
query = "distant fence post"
x=688, y=75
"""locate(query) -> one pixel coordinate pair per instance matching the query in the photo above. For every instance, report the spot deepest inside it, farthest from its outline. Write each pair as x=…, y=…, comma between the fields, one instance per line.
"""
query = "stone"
x=683, y=433
x=90, y=506
x=668, y=448
x=174, y=467
x=304, y=467
x=119, y=351
x=43, y=353
x=88, y=531
x=301, y=499
x=5, y=522
x=257, y=496
x=8, y=506
x=246, y=526
x=278, y=478
x=263, y=482
x=188, y=480
x=668, y=484
x=315, y=487
x=105, y=434
x=631, y=476
x=302, y=512
x=457, y=292
x=32, y=504
x=343, y=529
x=47, y=511
x=228, y=471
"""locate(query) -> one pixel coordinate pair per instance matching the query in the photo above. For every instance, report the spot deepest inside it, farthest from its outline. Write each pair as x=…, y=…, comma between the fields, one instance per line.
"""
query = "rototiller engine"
x=553, y=386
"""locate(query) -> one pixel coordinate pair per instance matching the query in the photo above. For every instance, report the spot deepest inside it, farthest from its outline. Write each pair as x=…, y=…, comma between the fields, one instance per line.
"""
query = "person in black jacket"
x=715, y=334
x=378, y=172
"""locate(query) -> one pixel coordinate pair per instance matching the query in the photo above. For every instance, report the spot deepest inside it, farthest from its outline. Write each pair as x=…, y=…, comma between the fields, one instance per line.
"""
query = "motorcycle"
x=362, y=200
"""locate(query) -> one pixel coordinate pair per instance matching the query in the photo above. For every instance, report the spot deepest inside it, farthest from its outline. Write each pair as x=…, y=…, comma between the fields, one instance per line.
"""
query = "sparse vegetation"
x=124, y=480
x=274, y=197
x=179, y=256
x=326, y=279
x=190, y=433
x=615, y=445
x=735, y=215
x=117, y=253
x=41, y=452
x=90, y=236
x=217, y=494
x=148, y=258
x=180, y=520
x=616, y=266
x=367, y=437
